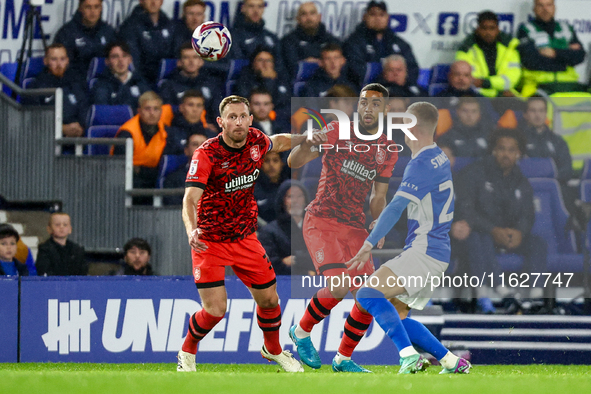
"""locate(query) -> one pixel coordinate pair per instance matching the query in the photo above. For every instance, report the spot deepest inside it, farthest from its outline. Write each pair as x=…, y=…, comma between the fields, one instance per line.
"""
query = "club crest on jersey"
x=320, y=256
x=197, y=273
x=193, y=168
x=380, y=156
x=255, y=153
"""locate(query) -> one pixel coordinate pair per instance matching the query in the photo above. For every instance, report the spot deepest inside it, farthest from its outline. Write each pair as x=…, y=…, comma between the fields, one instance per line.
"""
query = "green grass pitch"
x=265, y=378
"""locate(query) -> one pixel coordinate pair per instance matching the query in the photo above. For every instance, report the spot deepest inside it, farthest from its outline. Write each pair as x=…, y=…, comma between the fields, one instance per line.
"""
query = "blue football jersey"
x=427, y=183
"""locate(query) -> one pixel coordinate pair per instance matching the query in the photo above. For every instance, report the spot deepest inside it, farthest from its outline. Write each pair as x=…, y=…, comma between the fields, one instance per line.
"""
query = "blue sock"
x=385, y=314
x=422, y=337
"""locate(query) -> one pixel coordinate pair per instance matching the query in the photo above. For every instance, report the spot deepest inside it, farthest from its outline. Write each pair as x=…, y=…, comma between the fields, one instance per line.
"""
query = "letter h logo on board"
x=68, y=326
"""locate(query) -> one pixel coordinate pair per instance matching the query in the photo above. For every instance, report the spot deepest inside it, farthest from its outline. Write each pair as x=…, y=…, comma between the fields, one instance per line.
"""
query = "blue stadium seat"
x=424, y=77
x=9, y=71
x=26, y=82
x=33, y=66
x=91, y=83
x=298, y=88
x=372, y=72
x=400, y=166
x=551, y=219
x=435, y=88
x=166, y=67
x=311, y=185
x=312, y=169
x=169, y=164
x=101, y=132
x=462, y=162
x=538, y=167
x=109, y=115
x=230, y=87
x=439, y=74
x=95, y=68
x=586, y=170
x=305, y=70
x=236, y=65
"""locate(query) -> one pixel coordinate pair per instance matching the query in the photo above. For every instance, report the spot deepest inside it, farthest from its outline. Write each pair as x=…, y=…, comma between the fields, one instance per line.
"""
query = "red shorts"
x=331, y=244
x=247, y=258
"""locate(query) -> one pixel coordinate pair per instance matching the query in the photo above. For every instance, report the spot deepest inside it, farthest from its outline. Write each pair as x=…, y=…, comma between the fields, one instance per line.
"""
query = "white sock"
x=300, y=333
x=449, y=360
x=339, y=358
x=407, y=351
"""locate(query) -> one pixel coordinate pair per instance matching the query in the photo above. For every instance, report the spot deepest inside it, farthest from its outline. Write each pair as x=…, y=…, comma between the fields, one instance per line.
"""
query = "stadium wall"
x=434, y=28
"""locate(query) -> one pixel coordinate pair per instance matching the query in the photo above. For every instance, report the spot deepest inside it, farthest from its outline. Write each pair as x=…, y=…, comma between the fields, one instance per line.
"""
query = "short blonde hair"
x=148, y=96
x=233, y=100
x=426, y=113
x=57, y=214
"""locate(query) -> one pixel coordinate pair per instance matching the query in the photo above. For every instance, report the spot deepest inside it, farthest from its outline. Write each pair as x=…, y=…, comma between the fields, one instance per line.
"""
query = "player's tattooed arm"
x=190, y=200
x=303, y=152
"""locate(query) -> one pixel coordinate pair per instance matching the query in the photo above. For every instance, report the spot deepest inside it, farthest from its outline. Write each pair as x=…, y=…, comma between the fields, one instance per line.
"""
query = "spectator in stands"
x=449, y=152
x=395, y=78
x=399, y=104
x=543, y=142
x=137, y=258
x=549, y=51
x=261, y=106
x=249, y=34
x=57, y=74
x=493, y=55
x=373, y=40
x=193, y=16
x=262, y=74
x=190, y=76
x=468, y=137
x=85, y=36
x=265, y=190
x=148, y=132
x=283, y=239
x=494, y=211
x=9, y=265
x=58, y=255
x=176, y=179
x=333, y=70
x=306, y=40
x=150, y=35
x=117, y=85
x=188, y=121
x=461, y=82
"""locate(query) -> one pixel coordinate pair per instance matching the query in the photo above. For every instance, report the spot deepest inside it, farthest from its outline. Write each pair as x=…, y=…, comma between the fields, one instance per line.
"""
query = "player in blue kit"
x=404, y=282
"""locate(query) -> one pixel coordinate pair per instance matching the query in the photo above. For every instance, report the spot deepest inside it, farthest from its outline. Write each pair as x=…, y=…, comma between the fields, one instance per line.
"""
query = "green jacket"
x=507, y=65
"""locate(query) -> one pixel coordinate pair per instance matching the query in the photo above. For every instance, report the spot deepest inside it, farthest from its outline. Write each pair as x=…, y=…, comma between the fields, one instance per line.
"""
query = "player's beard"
x=237, y=138
x=372, y=126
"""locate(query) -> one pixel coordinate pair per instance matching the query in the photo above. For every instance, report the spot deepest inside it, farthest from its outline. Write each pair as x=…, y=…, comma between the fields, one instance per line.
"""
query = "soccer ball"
x=212, y=41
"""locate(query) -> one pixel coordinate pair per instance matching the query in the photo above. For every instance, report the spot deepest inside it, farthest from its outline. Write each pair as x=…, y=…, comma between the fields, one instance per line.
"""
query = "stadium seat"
x=462, y=162
x=298, y=88
x=439, y=74
x=169, y=164
x=551, y=219
x=305, y=70
x=91, y=83
x=400, y=166
x=95, y=68
x=166, y=67
x=26, y=82
x=372, y=72
x=230, y=87
x=586, y=170
x=538, y=167
x=424, y=77
x=9, y=71
x=33, y=66
x=436, y=88
x=236, y=65
x=311, y=185
x=312, y=169
x=101, y=132
x=109, y=115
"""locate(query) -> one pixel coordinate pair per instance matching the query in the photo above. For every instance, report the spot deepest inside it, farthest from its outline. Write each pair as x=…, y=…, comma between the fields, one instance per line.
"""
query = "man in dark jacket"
x=283, y=239
x=58, y=255
x=395, y=78
x=333, y=71
x=137, y=257
x=149, y=34
x=85, y=36
x=261, y=107
x=57, y=74
x=306, y=40
x=249, y=33
x=117, y=85
x=190, y=75
x=543, y=142
x=461, y=82
x=274, y=172
x=495, y=210
x=468, y=137
x=373, y=40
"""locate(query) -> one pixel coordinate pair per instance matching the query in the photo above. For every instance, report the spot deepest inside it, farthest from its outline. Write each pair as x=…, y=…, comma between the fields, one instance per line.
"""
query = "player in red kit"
x=220, y=216
x=334, y=225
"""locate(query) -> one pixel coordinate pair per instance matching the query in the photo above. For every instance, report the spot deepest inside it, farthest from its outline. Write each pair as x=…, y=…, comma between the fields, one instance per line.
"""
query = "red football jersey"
x=227, y=210
x=347, y=175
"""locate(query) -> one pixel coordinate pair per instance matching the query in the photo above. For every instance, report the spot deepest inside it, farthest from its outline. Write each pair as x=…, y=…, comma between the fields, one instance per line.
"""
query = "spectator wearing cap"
x=9, y=265
x=373, y=40
x=137, y=253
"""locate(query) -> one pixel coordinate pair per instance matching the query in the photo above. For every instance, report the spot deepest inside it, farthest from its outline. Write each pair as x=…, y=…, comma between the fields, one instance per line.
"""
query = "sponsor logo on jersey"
x=242, y=182
x=255, y=153
x=358, y=171
x=193, y=168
